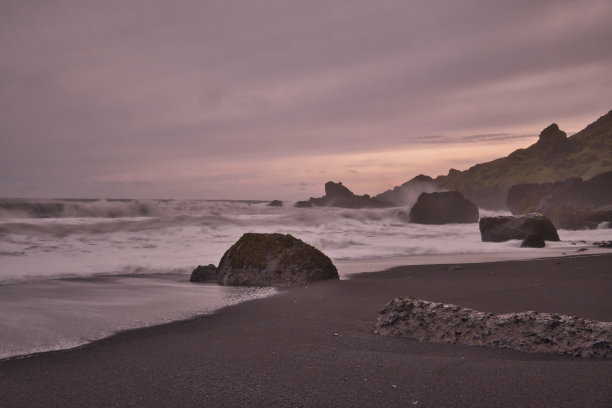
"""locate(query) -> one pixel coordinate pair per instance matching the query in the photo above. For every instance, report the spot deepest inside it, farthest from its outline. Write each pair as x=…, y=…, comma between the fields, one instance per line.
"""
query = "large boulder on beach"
x=204, y=273
x=273, y=260
x=525, y=331
x=504, y=228
x=443, y=208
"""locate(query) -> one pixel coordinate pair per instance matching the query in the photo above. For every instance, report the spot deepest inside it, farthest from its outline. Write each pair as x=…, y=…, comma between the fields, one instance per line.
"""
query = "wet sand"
x=314, y=346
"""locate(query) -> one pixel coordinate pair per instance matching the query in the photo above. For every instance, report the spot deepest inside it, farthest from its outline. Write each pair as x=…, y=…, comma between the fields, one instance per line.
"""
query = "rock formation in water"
x=204, y=273
x=526, y=331
x=443, y=208
x=275, y=203
x=338, y=195
x=504, y=228
x=273, y=260
x=570, y=204
x=303, y=204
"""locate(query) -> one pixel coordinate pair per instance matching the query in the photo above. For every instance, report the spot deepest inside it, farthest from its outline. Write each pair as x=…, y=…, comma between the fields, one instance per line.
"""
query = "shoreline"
x=348, y=269
x=313, y=346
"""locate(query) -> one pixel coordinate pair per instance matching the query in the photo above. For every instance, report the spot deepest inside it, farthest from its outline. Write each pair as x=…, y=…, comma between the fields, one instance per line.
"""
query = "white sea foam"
x=151, y=239
x=188, y=233
x=59, y=314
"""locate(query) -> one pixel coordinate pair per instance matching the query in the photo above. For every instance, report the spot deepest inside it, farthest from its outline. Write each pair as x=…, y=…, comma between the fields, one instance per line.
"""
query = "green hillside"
x=554, y=157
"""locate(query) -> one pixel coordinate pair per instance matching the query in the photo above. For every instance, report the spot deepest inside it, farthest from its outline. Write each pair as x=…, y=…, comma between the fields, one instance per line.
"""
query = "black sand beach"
x=313, y=346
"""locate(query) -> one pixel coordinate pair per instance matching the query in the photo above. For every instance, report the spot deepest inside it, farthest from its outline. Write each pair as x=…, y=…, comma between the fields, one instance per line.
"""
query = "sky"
x=269, y=99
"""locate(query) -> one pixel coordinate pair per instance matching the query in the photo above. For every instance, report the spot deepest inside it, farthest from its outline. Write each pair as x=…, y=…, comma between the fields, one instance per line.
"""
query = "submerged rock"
x=445, y=207
x=303, y=204
x=526, y=331
x=275, y=203
x=207, y=273
x=273, y=260
x=533, y=241
x=504, y=228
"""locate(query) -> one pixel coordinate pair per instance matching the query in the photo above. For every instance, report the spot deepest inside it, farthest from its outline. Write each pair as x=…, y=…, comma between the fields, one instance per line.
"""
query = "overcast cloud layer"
x=270, y=99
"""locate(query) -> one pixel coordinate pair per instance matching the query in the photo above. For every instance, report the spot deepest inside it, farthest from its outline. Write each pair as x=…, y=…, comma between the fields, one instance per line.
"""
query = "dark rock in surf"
x=504, y=228
x=303, y=204
x=533, y=241
x=526, y=331
x=275, y=203
x=206, y=273
x=338, y=195
x=443, y=208
x=273, y=260
x=337, y=190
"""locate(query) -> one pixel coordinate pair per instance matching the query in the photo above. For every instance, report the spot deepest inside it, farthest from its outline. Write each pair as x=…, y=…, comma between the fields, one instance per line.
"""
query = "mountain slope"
x=554, y=157
x=408, y=193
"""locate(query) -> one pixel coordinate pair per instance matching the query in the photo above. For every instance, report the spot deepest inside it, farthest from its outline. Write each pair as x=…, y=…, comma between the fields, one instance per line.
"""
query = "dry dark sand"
x=314, y=346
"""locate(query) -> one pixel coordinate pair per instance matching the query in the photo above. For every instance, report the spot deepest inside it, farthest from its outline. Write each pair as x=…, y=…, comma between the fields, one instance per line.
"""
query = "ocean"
x=75, y=271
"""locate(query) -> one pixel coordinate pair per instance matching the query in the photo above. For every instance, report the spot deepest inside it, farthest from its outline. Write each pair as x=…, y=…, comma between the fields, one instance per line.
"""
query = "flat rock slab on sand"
x=526, y=331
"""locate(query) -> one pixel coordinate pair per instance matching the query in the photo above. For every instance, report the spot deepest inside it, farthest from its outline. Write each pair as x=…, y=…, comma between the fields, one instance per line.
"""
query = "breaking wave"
x=98, y=237
x=101, y=217
x=15, y=208
x=127, y=260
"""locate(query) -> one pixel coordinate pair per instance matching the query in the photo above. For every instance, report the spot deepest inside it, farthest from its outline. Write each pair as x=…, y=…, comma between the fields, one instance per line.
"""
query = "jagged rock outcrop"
x=273, y=260
x=551, y=142
x=570, y=204
x=408, y=193
x=443, y=208
x=204, y=273
x=275, y=203
x=526, y=331
x=504, y=228
x=338, y=195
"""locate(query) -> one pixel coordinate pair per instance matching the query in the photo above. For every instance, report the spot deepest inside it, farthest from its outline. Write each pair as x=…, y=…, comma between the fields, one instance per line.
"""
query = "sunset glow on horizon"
x=270, y=99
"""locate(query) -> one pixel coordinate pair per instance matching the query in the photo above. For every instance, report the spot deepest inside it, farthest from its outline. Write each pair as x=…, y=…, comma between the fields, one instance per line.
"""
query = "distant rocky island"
x=338, y=195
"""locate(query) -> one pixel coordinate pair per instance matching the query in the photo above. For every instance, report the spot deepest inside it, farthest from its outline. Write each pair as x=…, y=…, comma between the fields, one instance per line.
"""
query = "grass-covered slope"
x=555, y=157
